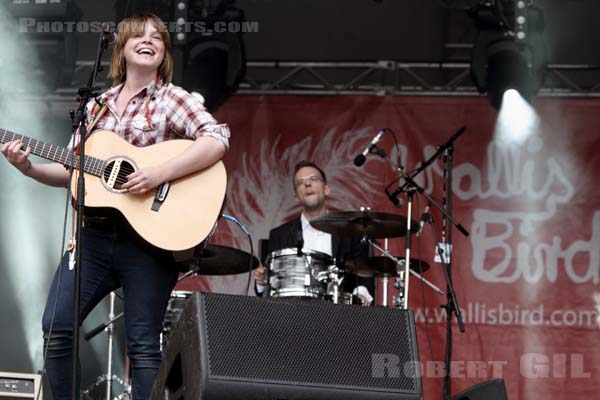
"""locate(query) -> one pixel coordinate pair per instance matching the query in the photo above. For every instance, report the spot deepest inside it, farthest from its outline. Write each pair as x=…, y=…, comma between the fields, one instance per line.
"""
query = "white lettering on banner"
x=545, y=255
x=492, y=230
x=509, y=175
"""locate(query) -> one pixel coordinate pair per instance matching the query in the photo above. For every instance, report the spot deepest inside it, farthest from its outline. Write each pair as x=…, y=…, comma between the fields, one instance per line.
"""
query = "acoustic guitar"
x=177, y=216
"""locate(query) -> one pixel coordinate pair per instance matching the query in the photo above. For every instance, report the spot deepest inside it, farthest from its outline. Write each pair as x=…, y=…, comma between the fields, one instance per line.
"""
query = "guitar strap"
x=97, y=113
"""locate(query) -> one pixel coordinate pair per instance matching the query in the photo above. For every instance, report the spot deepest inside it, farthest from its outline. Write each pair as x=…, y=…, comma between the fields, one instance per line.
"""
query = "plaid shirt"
x=174, y=114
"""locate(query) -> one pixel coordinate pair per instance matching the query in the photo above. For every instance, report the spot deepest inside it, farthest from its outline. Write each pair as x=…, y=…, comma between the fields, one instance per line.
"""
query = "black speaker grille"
x=308, y=342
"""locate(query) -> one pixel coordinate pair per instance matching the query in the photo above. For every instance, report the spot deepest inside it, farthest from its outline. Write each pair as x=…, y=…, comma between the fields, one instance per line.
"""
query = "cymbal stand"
x=110, y=330
x=399, y=262
x=404, y=275
x=384, y=280
x=109, y=377
x=194, y=267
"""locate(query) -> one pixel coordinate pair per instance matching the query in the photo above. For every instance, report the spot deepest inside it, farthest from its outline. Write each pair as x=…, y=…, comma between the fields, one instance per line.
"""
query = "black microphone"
x=424, y=218
x=362, y=157
x=110, y=35
x=393, y=196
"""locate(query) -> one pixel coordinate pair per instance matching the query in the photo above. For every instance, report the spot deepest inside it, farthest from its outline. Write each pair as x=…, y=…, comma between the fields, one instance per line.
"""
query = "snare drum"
x=293, y=275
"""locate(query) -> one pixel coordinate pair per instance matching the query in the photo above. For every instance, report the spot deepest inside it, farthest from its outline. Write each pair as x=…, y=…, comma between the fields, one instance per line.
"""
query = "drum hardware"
x=335, y=277
x=403, y=294
x=109, y=377
x=385, y=275
x=386, y=267
x=369, y=267
x=402, y=267
x=384, y=292
x=398, y=301
x=190, y=266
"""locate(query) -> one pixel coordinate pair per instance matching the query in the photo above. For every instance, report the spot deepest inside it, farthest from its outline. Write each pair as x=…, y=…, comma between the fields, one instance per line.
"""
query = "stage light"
x=215, y=53
x=509, y=52
x=517, y=120
x=508, y=68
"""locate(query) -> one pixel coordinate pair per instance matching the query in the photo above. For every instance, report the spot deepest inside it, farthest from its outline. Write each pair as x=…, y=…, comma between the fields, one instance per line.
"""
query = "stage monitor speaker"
x=488, y=390
x=236, y=347
x=17, y=386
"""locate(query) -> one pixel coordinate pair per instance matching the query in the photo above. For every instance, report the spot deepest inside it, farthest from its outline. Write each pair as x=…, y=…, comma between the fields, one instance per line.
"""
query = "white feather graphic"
x=260, y=192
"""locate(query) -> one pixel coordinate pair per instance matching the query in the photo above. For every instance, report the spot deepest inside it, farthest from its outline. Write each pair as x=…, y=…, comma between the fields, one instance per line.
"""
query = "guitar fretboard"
x=61, y=155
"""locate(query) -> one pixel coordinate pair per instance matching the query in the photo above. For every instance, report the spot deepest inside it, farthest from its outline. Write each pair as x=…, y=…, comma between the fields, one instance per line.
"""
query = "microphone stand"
x=85, y=94
x=404, y=275
x=452, y=305
x=410, y=184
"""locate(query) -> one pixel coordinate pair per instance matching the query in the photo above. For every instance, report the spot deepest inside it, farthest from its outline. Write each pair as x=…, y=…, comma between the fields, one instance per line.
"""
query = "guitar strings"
x=69, y=158
x=93, y=165
x=124, y=171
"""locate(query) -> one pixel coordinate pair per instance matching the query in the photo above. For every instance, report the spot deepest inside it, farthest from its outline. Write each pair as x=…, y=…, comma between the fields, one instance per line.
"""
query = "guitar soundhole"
x=124, y=169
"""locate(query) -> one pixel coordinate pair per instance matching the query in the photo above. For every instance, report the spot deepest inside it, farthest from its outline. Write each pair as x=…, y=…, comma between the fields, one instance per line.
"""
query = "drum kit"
x=369, y=226
x=308, y=274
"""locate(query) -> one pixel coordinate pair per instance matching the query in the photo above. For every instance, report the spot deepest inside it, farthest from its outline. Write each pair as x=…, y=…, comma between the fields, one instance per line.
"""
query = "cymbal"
x=220, y=260
x=375, y=266
x=361, y=223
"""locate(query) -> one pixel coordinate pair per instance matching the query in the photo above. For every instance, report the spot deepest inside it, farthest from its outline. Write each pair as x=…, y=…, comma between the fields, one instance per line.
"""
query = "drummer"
x=311, y=191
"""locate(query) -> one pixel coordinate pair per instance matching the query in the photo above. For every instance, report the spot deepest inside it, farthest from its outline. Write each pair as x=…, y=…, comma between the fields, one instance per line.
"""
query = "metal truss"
x=377, y=78
x=394, y=78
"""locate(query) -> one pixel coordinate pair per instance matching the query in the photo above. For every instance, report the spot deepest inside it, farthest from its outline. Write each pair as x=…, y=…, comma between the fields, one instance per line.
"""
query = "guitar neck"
x=54, y=153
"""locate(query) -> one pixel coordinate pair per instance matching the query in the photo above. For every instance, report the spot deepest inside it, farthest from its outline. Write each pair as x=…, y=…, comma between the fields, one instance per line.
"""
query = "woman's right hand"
x=14, y=155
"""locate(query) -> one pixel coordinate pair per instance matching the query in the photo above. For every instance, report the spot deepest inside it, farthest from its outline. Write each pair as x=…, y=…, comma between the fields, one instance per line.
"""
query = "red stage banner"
x=527, y=277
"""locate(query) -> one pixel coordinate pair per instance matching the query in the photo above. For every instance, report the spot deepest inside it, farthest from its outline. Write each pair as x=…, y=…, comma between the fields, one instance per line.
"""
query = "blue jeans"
x=113, y=256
